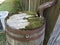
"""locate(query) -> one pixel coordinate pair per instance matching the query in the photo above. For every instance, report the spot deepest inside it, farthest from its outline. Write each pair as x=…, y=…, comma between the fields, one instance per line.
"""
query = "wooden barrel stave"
x=34, y=42
x=38, y=41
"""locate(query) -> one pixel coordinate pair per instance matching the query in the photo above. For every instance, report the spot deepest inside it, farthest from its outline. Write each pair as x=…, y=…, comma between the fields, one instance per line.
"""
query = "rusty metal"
x=23, y=31
x=43, y=6
x=25, y=39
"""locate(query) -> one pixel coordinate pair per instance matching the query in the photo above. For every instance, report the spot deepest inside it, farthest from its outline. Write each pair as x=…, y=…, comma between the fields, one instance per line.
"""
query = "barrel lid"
x=24, y=21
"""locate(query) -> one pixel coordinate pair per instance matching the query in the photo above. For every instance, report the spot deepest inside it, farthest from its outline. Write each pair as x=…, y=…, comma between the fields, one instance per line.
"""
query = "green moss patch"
x=35, y=22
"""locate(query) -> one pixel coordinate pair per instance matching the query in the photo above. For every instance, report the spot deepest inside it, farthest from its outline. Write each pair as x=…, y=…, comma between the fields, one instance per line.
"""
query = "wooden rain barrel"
x=29, y=37
x=25, y=37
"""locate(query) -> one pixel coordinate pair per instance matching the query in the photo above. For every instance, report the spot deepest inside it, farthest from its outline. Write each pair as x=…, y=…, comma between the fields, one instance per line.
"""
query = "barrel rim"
x=25, y=39
x=24, y=31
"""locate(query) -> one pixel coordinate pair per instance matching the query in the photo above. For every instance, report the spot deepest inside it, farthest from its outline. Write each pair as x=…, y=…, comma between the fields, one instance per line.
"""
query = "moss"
x=35, y=22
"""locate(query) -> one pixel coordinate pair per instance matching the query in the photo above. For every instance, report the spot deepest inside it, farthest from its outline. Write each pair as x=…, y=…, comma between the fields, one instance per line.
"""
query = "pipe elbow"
x=43, y=6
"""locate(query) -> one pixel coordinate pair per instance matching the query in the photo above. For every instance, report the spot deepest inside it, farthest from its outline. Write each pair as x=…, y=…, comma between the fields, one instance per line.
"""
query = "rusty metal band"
x=43, y=6
x=39, y=44
x=25, y=39
x=25, y=31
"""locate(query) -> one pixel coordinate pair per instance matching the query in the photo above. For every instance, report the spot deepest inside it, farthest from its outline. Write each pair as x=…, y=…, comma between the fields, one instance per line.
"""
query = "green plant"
x=18, y=6
x=2, y=38
x=13, y=6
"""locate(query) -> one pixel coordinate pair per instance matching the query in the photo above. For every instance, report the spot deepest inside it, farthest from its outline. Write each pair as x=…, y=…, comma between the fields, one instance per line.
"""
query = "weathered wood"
x=33, y=5
x=55, y=36
x=51, y=15
x=32, y=37
x=14, y=37
x=43, y=6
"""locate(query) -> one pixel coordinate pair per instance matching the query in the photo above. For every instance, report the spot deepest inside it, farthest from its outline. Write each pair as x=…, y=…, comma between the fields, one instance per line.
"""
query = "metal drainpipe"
x=43, y=6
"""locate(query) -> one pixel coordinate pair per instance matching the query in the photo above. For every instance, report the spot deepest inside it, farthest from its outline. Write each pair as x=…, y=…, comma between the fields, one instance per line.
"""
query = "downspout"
x=43, y=6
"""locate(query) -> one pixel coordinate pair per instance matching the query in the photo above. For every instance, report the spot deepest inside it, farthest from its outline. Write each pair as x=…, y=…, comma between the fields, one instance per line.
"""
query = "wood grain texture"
x=20, y=39
x=51, y=15
x=33, y=5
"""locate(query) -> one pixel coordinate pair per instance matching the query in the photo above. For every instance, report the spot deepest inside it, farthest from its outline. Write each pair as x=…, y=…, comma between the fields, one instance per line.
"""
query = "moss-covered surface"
x=35, y=21
x=13, y=6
